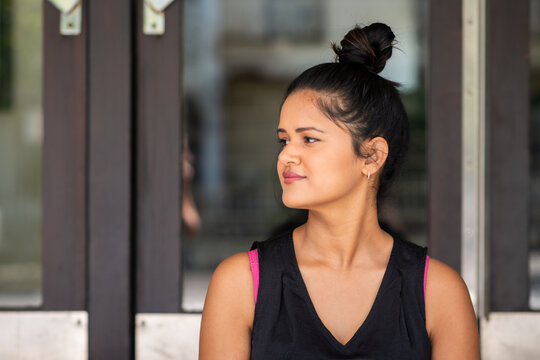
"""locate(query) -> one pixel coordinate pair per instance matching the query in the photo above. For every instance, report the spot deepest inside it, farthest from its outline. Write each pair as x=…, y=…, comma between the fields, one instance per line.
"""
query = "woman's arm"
x=227, y=317
x=450, y=318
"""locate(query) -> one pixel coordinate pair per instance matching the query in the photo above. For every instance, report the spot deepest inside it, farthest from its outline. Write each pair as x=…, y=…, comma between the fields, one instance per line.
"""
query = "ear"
x=377, y=148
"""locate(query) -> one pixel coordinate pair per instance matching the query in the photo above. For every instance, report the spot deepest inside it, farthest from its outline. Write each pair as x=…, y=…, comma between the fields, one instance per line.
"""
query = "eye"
x=283, y=142
x=307, y=138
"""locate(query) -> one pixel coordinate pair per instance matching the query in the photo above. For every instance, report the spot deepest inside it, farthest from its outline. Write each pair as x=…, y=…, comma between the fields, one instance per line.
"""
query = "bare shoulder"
x=446, y=293
x=232, y=284
x=229, y=306
x=450, y=318
x=443, y=281
x=233, y=271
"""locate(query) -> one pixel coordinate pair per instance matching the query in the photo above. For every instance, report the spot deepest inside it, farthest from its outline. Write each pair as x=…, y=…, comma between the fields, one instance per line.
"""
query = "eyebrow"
x=299, y=130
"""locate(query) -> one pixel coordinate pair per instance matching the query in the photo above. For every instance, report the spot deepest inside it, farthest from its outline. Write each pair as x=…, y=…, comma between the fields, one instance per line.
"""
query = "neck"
x=343, y=237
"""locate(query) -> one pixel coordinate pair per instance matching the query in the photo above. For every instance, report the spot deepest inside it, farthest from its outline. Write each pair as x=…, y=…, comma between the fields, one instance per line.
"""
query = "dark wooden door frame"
x=159, y=165
x=444, y=131
x=508, y=178
x=110, y=124
x=64, y=165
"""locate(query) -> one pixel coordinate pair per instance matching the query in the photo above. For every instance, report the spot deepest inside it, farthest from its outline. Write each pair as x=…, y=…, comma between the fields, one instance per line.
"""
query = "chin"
x=296, y=202
x=293, y=203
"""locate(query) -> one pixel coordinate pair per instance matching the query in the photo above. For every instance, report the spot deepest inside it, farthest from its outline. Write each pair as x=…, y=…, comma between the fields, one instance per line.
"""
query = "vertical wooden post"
x=444, y=131
x=159, y=164
x=64, y=165
x=508, y=177
x=110, y=154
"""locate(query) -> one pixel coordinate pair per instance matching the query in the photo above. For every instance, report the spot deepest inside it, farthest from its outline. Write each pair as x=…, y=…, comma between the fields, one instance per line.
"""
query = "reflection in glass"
x=534, y=133
x=20, y=152
x=239, y=57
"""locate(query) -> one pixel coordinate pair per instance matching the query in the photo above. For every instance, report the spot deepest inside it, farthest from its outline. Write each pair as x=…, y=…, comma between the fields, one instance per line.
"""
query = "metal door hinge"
x=154, y=16
x=70, y=16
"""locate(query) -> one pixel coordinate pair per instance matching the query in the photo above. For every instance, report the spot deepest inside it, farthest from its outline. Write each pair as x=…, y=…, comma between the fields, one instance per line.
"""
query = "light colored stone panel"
x=511, y=336
x=167, y=336
x=30, y=335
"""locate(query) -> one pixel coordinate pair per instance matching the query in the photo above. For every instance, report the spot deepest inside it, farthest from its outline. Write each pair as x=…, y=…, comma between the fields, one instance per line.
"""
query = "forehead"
x=300, y=109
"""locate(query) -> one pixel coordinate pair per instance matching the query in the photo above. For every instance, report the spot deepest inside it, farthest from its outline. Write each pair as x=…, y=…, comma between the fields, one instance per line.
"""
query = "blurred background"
x=236, y=60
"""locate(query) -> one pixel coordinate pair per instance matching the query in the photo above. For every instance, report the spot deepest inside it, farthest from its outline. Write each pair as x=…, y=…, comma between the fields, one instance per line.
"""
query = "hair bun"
x=370, y=46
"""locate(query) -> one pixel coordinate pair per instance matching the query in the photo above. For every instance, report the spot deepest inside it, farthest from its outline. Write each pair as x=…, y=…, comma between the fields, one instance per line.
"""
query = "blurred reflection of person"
x=191, y=219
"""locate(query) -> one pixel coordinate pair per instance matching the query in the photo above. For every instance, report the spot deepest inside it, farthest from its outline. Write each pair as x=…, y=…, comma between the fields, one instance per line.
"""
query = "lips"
x=290, y=177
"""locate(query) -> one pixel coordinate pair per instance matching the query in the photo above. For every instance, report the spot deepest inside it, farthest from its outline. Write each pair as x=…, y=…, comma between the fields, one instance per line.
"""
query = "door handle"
x=70, y=16
x=154, y=16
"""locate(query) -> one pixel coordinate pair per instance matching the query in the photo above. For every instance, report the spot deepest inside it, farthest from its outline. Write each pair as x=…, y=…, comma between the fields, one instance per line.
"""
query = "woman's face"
x=317, y=165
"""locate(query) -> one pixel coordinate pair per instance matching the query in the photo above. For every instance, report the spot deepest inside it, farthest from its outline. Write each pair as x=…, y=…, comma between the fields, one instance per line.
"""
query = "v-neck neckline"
x=315, y=315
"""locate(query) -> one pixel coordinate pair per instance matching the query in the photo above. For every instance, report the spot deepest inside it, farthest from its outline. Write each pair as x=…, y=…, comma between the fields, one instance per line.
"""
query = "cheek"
x=335, y=162
x=340, y=169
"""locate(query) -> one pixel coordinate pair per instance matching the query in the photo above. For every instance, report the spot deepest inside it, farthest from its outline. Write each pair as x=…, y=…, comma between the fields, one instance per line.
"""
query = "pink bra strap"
x=254, y=263
x=425, y=276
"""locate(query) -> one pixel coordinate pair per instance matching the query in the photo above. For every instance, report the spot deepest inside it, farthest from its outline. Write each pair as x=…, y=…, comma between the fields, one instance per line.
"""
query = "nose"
x=289, y=155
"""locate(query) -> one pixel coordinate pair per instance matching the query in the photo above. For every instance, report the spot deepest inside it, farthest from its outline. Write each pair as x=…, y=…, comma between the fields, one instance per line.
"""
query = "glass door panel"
x=20, y=152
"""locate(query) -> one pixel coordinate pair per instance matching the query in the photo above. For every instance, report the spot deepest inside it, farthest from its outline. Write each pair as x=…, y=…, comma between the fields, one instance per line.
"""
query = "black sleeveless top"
x=286, y=325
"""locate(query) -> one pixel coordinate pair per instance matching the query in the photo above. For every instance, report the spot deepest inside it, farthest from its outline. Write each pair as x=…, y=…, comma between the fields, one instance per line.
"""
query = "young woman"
x=338, y=286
